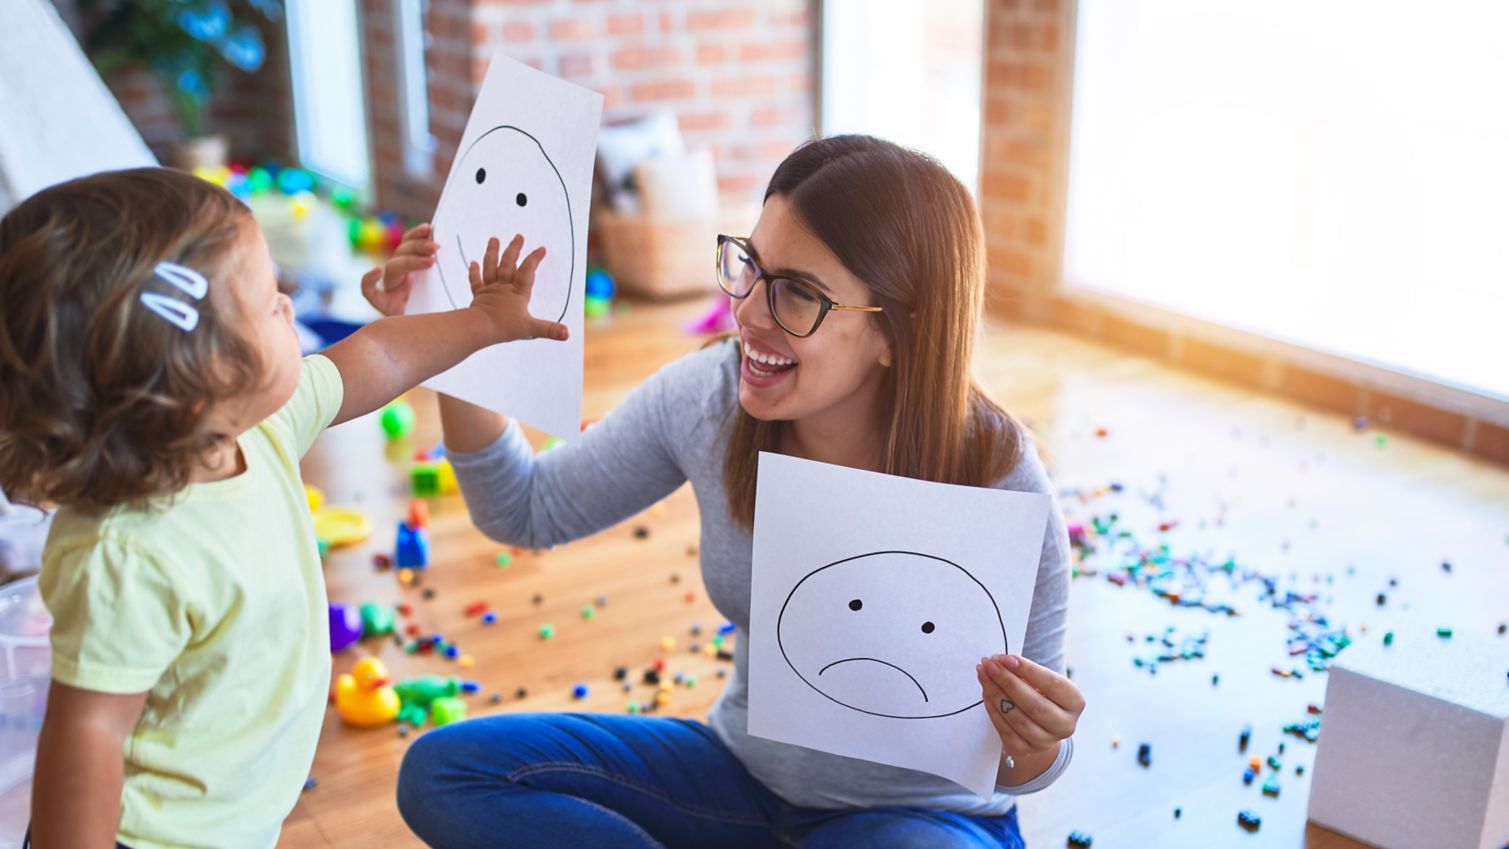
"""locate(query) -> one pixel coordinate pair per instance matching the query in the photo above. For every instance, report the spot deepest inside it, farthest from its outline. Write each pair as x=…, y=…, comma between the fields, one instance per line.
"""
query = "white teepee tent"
x=57, y=119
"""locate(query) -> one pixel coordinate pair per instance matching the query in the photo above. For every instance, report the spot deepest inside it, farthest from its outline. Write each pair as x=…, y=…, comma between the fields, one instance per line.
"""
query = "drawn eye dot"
x=520, y=199
x=856, y=604
x=481, y=175
x=927, y=627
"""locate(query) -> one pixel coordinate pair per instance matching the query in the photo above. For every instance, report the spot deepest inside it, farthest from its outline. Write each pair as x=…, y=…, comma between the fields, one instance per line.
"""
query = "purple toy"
x=345, y=625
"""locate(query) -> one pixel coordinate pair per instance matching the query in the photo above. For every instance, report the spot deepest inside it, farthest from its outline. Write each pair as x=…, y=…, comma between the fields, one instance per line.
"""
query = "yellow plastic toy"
x=340, y=526
x=365, y=696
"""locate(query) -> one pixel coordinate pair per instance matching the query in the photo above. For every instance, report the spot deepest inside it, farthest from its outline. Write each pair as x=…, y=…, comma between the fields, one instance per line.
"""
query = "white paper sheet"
x=873, y=599
x=524, y=166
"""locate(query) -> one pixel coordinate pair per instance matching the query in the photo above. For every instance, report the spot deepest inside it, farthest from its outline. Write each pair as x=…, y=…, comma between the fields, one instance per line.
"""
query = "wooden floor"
x=1288, y=492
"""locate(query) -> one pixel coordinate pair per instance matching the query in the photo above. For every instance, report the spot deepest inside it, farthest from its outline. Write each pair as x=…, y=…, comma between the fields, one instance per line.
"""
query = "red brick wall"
x=1028, y=51
x=739, y=75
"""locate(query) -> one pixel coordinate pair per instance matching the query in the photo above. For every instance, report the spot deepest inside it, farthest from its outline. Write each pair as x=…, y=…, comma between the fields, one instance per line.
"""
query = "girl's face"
x=840, y=364
x=267, y=315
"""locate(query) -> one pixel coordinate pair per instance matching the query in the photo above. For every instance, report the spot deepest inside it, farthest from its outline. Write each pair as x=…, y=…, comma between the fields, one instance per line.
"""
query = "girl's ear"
x=885, y=355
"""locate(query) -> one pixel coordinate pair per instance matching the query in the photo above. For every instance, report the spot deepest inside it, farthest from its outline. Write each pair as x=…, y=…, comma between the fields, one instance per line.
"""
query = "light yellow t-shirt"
x=216, y=606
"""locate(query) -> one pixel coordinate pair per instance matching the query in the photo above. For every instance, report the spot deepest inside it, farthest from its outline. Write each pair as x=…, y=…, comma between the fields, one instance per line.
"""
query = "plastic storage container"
x=25, y=665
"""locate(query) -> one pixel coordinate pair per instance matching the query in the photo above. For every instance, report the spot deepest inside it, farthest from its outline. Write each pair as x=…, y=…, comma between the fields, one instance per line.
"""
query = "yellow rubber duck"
x=365, y=697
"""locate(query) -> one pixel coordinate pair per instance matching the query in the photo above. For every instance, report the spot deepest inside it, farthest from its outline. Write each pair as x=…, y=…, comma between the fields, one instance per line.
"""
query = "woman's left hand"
x=1032, y=707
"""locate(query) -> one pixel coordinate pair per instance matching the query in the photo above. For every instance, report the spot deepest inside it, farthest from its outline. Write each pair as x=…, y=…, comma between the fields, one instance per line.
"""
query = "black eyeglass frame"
x=827, y=303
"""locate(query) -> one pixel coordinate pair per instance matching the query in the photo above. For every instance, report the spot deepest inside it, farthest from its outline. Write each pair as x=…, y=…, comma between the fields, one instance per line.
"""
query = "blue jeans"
x=564, y=779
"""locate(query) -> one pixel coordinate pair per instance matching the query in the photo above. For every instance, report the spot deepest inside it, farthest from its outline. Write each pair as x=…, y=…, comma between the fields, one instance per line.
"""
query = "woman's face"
x=843, y=361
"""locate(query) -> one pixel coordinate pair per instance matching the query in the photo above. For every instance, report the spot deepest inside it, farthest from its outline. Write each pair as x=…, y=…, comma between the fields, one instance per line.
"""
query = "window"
x=1334, y=175
x=330, y=104
x=413, y=44
x=909, y=72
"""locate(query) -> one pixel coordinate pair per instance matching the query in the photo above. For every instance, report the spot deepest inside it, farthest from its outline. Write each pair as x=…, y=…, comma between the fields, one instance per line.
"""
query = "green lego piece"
x=412, y=714
x=447, y=709
x=376, y=619
x=427, y=688
x=424, y=479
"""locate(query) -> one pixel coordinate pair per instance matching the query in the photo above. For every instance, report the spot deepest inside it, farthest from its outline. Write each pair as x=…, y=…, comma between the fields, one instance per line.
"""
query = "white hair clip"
x=183, y=316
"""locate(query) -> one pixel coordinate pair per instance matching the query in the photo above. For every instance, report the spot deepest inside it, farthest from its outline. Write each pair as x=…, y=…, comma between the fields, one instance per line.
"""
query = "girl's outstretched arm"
x=392, y=355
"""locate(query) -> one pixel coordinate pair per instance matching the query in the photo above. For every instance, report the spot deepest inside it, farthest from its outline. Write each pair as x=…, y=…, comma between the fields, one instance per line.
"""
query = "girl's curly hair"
x=102, y=401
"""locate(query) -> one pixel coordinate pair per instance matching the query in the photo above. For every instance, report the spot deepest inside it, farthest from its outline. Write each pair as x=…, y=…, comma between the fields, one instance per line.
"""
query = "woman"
x=857, y=297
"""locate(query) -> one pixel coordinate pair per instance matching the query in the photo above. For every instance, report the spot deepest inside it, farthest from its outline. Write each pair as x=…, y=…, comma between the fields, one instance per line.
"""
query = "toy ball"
x=292, y=181
x=372, y=236
x=394, y=235
x=345, y=626
x=599, y=284
x=388, y=218
x=354, y=232
x=397, y=419
x=597, y=307
x=259, y=180
x=343, y=197
x=239, y=186
x=301, y=204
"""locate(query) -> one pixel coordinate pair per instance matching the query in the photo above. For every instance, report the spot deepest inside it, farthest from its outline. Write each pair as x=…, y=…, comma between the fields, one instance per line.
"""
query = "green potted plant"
x=185, y=44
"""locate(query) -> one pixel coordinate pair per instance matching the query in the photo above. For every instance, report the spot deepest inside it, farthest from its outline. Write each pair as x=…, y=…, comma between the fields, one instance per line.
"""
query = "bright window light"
x=907, y=71
x=419, y=145
x=328, y=91
x=1332, y=174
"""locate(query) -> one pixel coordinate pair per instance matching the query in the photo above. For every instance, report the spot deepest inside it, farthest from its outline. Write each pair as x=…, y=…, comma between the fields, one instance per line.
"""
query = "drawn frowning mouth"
x=883, y=663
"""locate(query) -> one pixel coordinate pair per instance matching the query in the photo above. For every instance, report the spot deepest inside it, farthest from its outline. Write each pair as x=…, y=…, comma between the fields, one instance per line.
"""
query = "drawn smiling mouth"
x=465, y=263
x=883, y=663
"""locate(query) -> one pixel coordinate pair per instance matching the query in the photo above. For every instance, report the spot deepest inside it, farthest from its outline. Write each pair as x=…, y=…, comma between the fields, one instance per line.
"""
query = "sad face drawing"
x=869, y=633
x=505, y=183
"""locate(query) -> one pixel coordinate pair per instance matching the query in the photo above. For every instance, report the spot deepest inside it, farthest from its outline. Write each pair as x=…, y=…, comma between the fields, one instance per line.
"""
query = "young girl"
x=151, y=389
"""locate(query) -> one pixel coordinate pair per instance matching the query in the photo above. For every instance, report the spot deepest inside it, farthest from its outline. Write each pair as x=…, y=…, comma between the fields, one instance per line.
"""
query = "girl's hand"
x=1032, y=707
x=415, y=253
x=501, y=286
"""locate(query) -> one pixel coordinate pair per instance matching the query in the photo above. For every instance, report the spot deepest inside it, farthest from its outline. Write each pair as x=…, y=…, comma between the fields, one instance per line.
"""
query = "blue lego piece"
x=413, y=548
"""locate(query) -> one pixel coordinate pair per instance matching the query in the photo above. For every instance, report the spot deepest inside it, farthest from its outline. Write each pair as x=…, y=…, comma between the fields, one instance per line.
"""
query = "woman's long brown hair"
x=900, y=222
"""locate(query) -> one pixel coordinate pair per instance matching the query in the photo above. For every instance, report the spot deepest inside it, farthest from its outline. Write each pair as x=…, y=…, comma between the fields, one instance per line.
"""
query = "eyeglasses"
x=796, y=305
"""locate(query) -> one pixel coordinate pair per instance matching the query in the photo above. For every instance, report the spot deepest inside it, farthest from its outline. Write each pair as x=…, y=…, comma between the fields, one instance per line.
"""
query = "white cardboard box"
x=1414, y=743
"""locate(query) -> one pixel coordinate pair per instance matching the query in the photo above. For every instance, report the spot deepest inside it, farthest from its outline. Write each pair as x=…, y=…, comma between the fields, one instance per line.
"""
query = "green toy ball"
x=259, y=180
x=597, y=307
x=398, y=419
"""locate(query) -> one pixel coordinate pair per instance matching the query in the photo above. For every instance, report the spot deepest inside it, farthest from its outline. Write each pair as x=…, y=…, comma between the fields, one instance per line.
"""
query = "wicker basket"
x=664, y=258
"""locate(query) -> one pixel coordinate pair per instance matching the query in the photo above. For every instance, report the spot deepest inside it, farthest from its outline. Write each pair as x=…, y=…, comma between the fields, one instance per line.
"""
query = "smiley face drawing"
x=871, y=633
x=504, y=184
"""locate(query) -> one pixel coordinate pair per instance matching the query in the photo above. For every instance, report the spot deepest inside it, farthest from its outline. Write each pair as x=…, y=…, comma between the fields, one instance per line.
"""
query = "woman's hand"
x=1032, y=707
x=415, y=253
